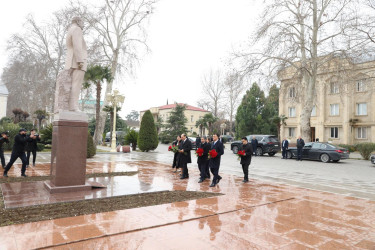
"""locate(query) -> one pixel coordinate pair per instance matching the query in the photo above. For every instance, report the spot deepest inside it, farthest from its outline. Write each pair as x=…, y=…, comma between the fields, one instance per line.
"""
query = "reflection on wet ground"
x=255, y=215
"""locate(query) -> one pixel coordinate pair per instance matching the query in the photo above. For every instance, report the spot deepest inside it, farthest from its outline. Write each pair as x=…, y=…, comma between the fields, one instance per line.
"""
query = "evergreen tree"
x=176, y=122
x=148, y=137
x=91, y=148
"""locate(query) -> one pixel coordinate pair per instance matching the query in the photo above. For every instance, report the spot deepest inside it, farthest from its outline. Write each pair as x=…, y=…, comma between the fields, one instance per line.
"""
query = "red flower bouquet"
x=174, y=149
x=212, y=153
x=199, y=152
x=240, y=153
x=170, y=148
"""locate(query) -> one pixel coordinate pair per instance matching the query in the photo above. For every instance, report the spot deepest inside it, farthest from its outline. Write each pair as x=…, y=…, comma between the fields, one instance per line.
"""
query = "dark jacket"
x=185, y=157
x=204, y=158
x=285, y=144
x=32, y=145
x=246, y=160
x=2, y=141
x=20, y=142
x=300, y=143
x=218, y=146
x=198, y=142
x=254, y=143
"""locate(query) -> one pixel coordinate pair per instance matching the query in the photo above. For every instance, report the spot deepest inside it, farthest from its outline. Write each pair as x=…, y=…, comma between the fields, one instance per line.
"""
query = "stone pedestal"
x=68, y=157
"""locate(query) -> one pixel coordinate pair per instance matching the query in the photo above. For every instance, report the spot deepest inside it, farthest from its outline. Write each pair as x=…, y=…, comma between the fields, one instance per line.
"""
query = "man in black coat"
x=300, y=145
x=185, y=155
x=203, y=161
x=18, y=151
x=3, y=139
x=246, y=159
x=214, y=163
x=32, y=146
x=284, y=147
x=198, y=142
x=254, y=144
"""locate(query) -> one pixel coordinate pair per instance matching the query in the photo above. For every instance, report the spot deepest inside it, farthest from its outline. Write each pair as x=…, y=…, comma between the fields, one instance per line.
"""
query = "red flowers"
x=170, y=148
x=213, y=153
x=199, y=152
x=174, y=149
x=241, y=153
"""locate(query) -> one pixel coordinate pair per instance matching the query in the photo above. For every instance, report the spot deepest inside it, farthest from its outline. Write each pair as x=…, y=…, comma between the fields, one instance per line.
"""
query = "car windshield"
x=273, y=139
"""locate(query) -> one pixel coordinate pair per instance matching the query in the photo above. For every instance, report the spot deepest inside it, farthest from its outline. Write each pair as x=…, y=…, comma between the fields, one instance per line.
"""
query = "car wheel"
x=289, y=155
x=324, y=158
x=235, y=149
x=271, y=154
x=336, y=160
x=259, y=151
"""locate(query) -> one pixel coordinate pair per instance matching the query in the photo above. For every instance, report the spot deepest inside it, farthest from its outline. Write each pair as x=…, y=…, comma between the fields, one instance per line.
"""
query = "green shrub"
x=26, y=125
x=351, y=148
x=13, y=131
x=365, y=149
x=131, y=137
x=148, y=137
x=5, y=120
x=46, y=134
x=40, y=146
x=91, y=149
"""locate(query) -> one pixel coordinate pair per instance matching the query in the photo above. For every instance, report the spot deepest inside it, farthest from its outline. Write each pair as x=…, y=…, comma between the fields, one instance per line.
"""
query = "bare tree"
x=213, y=88
x=303, y=36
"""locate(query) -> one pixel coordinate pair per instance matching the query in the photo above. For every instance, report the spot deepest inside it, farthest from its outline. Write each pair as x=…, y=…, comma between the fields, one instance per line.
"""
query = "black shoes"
x=184, y=177
x=212, y=184
x=23, y=175
x=218, y=180
x=200, y=181
x=244, y=181
x=5, y=174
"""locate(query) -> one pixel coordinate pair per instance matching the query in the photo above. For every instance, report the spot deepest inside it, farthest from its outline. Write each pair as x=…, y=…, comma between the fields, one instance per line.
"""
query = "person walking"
x=3, y=139
x=284, y=147
x=246, y=158
x=31, y=147
x=214, y=163
x=254, y=144
x=203, y=160
x=300, y=145
x=185, y=155
x=18, y=151
x=177, y=154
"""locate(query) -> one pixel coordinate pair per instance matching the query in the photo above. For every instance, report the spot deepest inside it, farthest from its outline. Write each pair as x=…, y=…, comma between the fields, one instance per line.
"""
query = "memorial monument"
x=70, y=126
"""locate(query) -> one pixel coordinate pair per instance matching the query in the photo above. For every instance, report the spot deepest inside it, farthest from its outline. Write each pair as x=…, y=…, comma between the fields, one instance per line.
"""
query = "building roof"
x=3, y=90
x=172, y=106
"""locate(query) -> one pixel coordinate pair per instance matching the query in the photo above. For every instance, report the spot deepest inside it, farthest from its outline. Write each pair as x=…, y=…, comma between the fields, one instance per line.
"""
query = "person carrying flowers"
x=217, y=150
x=245, y=154
x=174, y=149
x=202, y=159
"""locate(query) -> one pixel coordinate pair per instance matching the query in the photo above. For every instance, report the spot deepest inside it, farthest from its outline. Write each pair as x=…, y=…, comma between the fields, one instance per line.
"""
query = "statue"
x=69, y=81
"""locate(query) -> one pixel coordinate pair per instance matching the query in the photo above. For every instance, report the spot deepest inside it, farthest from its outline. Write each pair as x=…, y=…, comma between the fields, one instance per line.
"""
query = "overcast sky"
x=187, y=39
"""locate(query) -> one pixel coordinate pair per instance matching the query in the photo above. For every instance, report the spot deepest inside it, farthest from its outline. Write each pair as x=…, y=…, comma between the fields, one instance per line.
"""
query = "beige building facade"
x=192, y=114
x=344, y=103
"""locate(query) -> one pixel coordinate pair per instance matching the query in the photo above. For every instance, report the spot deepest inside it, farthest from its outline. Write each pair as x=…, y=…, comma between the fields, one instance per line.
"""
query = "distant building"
x=192, y=114
x=133, y=125
x=344, y=103
x=88, y=106
x=3, y=100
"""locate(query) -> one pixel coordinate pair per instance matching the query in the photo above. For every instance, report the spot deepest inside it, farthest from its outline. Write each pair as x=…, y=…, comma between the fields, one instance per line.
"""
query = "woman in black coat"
x=176, y=155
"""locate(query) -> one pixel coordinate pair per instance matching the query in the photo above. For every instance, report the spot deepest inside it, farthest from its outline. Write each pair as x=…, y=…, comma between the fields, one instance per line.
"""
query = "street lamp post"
x=116, y=99
x=223, y=126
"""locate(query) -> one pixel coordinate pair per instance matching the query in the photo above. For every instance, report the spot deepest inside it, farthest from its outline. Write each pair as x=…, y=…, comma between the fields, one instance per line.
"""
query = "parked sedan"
x=372, y=159
x=322, y=151
x=266, y=144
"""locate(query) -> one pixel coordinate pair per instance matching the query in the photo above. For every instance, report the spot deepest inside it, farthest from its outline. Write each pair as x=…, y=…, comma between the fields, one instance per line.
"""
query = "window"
x=334, y=132
x=316, y=145
x=292, y=112
x=360, y=86
x=361, y=133
x=334, y=88
x=292, y=92
x=191, y=129
x=335, y=109
x=292, y=132
x=361, y=108
x=313, y=111
x=192, y=118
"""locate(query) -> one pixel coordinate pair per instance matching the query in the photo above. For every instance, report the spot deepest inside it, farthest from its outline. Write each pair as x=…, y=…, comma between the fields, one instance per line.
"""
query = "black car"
x=193, y=143
x=372, y=159
x=322, y=151
x=267, y=144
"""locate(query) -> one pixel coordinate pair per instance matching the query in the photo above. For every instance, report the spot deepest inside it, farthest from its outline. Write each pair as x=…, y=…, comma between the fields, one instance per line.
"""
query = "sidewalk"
x=255, y=215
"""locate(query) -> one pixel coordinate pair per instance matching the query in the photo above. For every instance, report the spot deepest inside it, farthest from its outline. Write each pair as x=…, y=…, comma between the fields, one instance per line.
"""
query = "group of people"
x=208, y=162
x=300, y=144
x=22, y=142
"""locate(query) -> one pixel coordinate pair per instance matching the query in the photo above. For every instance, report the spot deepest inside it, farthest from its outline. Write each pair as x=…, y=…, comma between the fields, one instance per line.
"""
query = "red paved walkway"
x=255, y=215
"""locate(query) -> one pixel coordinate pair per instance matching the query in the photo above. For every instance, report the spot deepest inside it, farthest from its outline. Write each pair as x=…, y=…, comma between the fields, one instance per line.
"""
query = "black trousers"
x=2, y=157
x=28, y=156
x=299, y=153
x=13, y=158
x=185, y=171
x=245, y=169
x=284, y=153
x=204, y=170
x=215, y=173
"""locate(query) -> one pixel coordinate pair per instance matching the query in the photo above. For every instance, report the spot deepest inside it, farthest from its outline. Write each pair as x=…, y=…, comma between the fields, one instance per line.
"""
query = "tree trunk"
x=97, y=138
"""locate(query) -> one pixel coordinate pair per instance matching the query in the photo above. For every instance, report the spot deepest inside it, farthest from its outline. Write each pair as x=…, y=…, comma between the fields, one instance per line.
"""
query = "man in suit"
x=284, y=147
x=254, y=144
x=246, y=159
x=214, y=163
x=300, y=145
x=3, y=139
x=185, y=156
x=203, y=160
x=18, y=151
x=31, y=147
x=76, y=60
